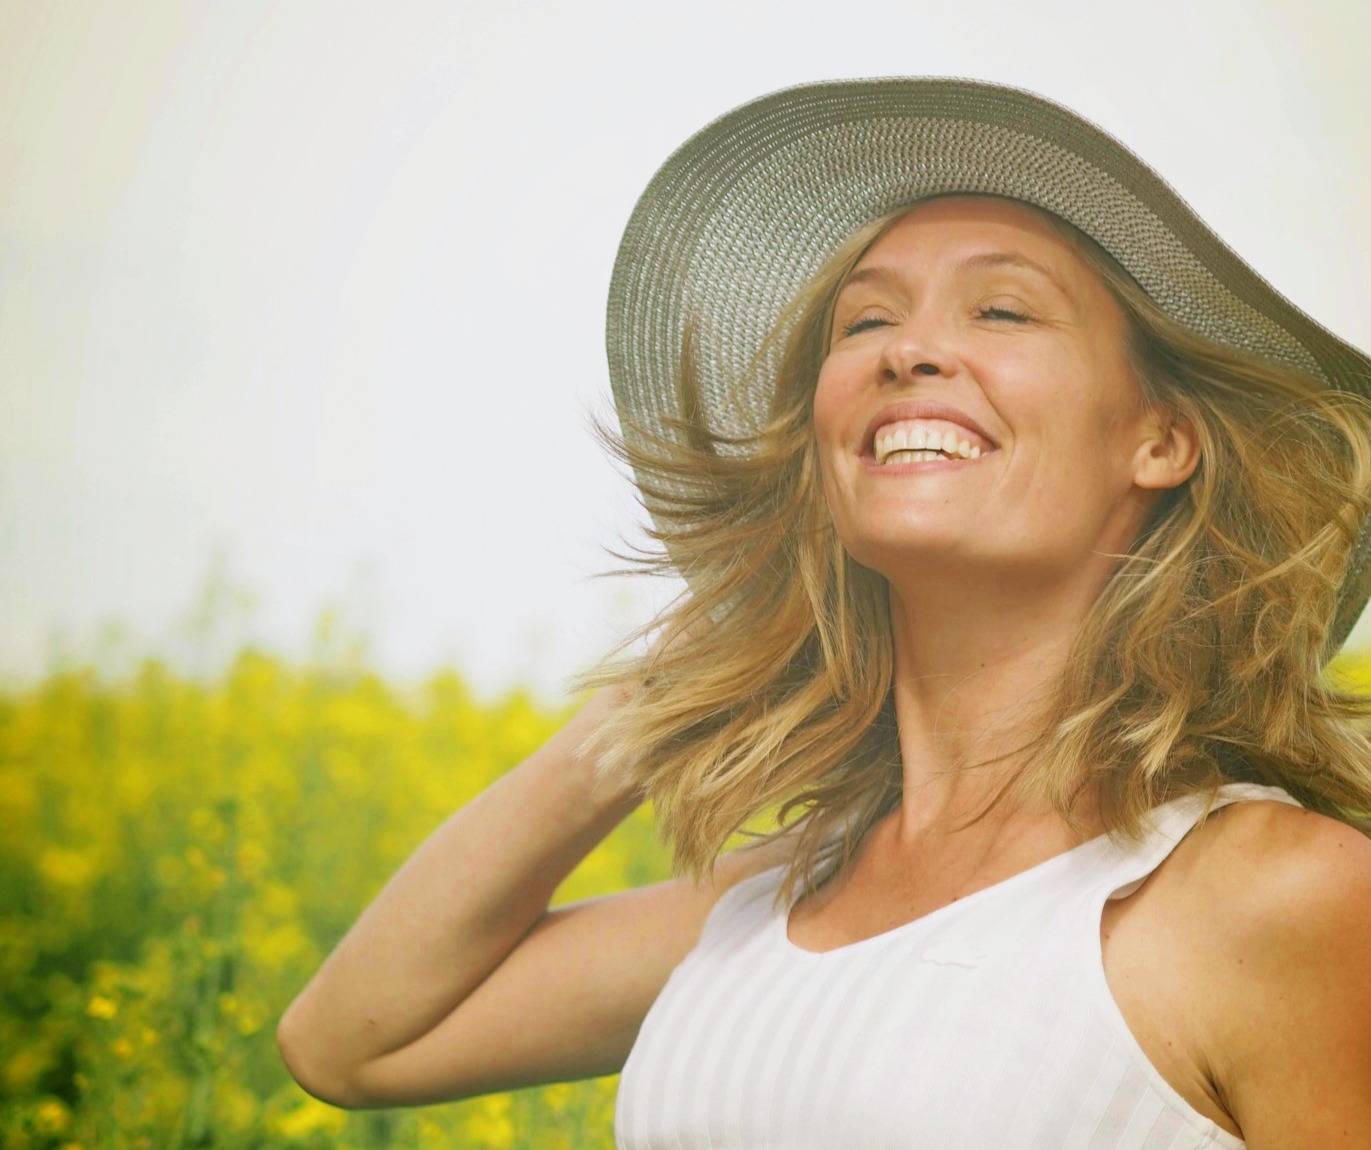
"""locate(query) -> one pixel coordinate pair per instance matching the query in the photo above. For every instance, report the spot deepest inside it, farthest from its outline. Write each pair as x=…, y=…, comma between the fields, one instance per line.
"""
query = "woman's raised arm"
x=458, y=980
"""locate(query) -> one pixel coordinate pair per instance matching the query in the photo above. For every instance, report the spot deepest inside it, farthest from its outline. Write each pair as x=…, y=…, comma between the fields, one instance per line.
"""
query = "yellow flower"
x=18, y=798
x=489, y=1124
x=273, y=949
x=250, y=1020
x=22, y=1069
x=67, y=868
x=122, y=1047
x=432, y=1136
x=278, y=901
x=101, y=1007
x=51, y=1117
x=309, y=1116
x=557, y=1096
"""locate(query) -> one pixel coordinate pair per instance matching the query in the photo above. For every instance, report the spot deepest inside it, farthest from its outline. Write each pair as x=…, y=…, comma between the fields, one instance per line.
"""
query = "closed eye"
x=989, y=312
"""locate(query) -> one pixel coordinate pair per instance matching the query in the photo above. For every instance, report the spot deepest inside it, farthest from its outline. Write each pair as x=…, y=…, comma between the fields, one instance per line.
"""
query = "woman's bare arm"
x=457, y=980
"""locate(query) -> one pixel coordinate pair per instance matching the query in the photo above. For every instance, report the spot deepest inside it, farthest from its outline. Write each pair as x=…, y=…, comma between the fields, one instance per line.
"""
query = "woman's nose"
x=908, y=355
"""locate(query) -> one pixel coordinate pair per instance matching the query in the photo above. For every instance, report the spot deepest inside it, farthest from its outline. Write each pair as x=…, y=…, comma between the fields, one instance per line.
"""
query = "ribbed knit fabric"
x=987, y=1023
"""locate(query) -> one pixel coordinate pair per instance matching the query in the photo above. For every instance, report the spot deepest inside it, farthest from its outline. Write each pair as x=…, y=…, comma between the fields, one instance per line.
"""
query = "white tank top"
x=985, y=1023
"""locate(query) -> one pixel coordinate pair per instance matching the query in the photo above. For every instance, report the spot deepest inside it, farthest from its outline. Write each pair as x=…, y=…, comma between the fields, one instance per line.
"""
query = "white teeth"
x=920, y=438
x=941, y=449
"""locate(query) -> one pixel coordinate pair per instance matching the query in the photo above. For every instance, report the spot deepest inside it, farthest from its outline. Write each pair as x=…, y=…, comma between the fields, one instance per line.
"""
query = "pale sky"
x=319, y=288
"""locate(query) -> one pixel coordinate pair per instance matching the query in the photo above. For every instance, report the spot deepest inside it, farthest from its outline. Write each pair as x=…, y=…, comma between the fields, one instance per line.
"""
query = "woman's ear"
x=1170, y=450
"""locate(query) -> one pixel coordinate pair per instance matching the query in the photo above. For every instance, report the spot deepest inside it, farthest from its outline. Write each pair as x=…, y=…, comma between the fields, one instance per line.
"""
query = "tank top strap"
x=1115, y=872
x=1126, y=868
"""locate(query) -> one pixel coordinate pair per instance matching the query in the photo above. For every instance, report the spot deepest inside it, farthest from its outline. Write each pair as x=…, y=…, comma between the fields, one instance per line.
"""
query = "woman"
x=1008, y=683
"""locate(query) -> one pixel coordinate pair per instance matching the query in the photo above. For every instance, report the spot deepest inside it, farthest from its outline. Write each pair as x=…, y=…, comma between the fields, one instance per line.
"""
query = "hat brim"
x=749, y=207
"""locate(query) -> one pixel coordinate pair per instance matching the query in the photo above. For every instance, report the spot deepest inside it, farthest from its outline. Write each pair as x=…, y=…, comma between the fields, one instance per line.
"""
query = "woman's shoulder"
x=1287, y=935
x=1275, y=848
x=1264, y=861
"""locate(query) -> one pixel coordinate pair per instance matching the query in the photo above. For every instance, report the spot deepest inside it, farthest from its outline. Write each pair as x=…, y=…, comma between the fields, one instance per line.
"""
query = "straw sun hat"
x=744, y=211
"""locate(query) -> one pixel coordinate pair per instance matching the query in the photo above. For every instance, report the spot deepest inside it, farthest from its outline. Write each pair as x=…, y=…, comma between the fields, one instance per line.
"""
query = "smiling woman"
x=1104, y=623
x=1007, y=690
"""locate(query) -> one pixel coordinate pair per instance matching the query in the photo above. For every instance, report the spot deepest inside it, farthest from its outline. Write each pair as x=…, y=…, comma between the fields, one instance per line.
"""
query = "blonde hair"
x=1201, y=661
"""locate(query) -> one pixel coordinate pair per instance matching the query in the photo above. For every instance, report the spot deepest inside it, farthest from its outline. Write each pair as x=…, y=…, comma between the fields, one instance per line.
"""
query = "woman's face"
x=935, y=311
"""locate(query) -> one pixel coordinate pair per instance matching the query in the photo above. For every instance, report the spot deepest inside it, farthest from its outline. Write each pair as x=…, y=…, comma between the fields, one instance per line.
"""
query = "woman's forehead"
x=976, y=231
x=967, y=218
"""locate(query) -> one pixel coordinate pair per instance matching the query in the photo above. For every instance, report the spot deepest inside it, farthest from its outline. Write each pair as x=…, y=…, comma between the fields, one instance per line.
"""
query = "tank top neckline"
x=991, y=1016
x=778, y=921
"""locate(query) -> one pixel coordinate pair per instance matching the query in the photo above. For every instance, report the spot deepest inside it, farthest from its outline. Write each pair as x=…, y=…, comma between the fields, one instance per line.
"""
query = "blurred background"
x=308, y=299
x=301, y=321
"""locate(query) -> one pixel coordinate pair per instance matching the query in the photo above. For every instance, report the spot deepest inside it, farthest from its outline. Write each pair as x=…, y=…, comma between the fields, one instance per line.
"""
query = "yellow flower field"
x=176, y=861
x=178, y=858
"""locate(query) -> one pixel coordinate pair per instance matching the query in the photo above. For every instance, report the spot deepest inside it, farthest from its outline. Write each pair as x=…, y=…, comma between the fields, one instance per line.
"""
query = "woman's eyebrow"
x=879, y=273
